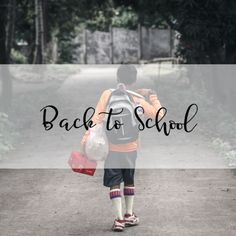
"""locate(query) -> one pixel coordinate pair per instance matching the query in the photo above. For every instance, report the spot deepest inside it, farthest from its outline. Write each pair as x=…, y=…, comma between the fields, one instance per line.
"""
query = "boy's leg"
x=128, y=175
x=112, y=179
x=130, y=218
x=115, y=196
x=129, y=198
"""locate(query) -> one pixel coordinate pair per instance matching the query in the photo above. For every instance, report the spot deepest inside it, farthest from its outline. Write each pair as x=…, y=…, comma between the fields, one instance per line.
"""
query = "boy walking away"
x=123, y=143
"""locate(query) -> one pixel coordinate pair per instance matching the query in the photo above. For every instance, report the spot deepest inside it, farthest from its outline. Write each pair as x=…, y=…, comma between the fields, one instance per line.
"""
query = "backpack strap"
x=135, y=94
x=125, y=92
x=130, y=92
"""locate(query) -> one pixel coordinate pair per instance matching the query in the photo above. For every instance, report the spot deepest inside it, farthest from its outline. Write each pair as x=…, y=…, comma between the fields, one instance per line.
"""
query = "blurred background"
x=161, y=37
x=65, y=53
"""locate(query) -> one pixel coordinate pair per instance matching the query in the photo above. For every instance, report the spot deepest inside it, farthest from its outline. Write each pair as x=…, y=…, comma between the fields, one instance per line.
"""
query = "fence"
x=123, y=46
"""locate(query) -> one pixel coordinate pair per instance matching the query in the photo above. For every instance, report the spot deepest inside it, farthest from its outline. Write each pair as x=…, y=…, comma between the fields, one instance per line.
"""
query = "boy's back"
x=150, y=109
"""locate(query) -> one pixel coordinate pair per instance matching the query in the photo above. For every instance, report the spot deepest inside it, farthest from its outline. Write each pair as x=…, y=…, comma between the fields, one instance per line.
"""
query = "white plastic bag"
x=96, y=147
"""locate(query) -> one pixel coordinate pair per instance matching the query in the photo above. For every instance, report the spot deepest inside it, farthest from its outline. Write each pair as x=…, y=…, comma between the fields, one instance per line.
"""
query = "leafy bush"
x=216, y=124
x=17, y=57
x=125, y=17
x=225, y=149
x=7, y=135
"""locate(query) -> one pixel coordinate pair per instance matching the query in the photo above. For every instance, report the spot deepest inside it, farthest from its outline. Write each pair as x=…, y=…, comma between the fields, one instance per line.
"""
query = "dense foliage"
x=207, y=28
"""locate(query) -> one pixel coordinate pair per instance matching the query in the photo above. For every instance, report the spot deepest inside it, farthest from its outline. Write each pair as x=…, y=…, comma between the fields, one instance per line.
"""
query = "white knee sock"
x=115, y=196
x=129, y=199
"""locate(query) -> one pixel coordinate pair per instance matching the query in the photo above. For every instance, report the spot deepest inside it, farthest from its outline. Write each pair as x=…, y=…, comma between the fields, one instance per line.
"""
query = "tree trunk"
x=39, y=54
x=10, y=26
x=36, y=52
x=230, y=49
x=3, y=55
x=6, y=93
x=42, y=31
x=230, y=42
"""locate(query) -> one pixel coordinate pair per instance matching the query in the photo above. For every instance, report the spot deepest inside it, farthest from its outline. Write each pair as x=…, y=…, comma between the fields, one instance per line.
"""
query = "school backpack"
x=121, y=100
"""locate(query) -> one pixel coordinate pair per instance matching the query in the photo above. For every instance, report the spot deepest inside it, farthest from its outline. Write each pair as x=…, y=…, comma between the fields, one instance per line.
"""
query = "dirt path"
x=169, y=201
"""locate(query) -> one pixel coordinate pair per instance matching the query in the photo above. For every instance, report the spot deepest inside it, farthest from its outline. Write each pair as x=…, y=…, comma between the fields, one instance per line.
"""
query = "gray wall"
x=98, y=46
x=125, y=46
x=122, y=45
x=155, y=43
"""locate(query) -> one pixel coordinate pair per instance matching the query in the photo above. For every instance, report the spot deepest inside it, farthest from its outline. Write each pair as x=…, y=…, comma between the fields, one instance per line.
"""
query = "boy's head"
x=126, y=74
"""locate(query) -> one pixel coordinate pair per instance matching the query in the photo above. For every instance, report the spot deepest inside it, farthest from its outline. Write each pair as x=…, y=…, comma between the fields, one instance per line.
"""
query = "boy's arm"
x=101, y=107
x=152, y=105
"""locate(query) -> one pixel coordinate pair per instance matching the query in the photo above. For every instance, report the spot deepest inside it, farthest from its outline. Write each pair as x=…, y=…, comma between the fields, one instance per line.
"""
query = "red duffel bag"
x=79, y=163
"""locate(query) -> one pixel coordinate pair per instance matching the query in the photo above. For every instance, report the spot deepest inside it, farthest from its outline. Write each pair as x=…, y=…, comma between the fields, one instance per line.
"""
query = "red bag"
x=80, y=163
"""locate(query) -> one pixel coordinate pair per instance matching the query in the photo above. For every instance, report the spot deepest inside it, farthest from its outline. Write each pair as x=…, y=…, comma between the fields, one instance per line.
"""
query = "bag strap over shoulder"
x=135, y=94
x=130, y=92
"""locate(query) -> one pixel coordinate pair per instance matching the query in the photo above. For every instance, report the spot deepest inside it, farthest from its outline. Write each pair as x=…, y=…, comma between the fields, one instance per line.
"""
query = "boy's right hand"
x=146, y=93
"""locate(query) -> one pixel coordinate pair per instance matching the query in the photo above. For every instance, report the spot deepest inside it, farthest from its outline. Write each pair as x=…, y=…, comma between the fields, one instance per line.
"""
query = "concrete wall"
x=155, y=43
x=98, y=47
x=123, y=46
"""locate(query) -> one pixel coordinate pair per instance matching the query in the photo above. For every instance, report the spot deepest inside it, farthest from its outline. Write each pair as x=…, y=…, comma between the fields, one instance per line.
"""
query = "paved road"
x=58, y=202
x=169, y=202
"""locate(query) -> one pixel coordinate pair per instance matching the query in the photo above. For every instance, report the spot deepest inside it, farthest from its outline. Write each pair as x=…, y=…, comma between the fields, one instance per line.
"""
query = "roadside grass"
x=25, y=107
x=8, y=135
x=215, y=123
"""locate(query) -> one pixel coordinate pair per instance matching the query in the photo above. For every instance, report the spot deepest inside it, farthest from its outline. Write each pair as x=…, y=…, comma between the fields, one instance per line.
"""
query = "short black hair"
x=127, y=74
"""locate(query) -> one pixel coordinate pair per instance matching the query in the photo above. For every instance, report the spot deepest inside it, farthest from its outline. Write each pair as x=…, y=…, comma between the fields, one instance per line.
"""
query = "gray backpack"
x=122, y=100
